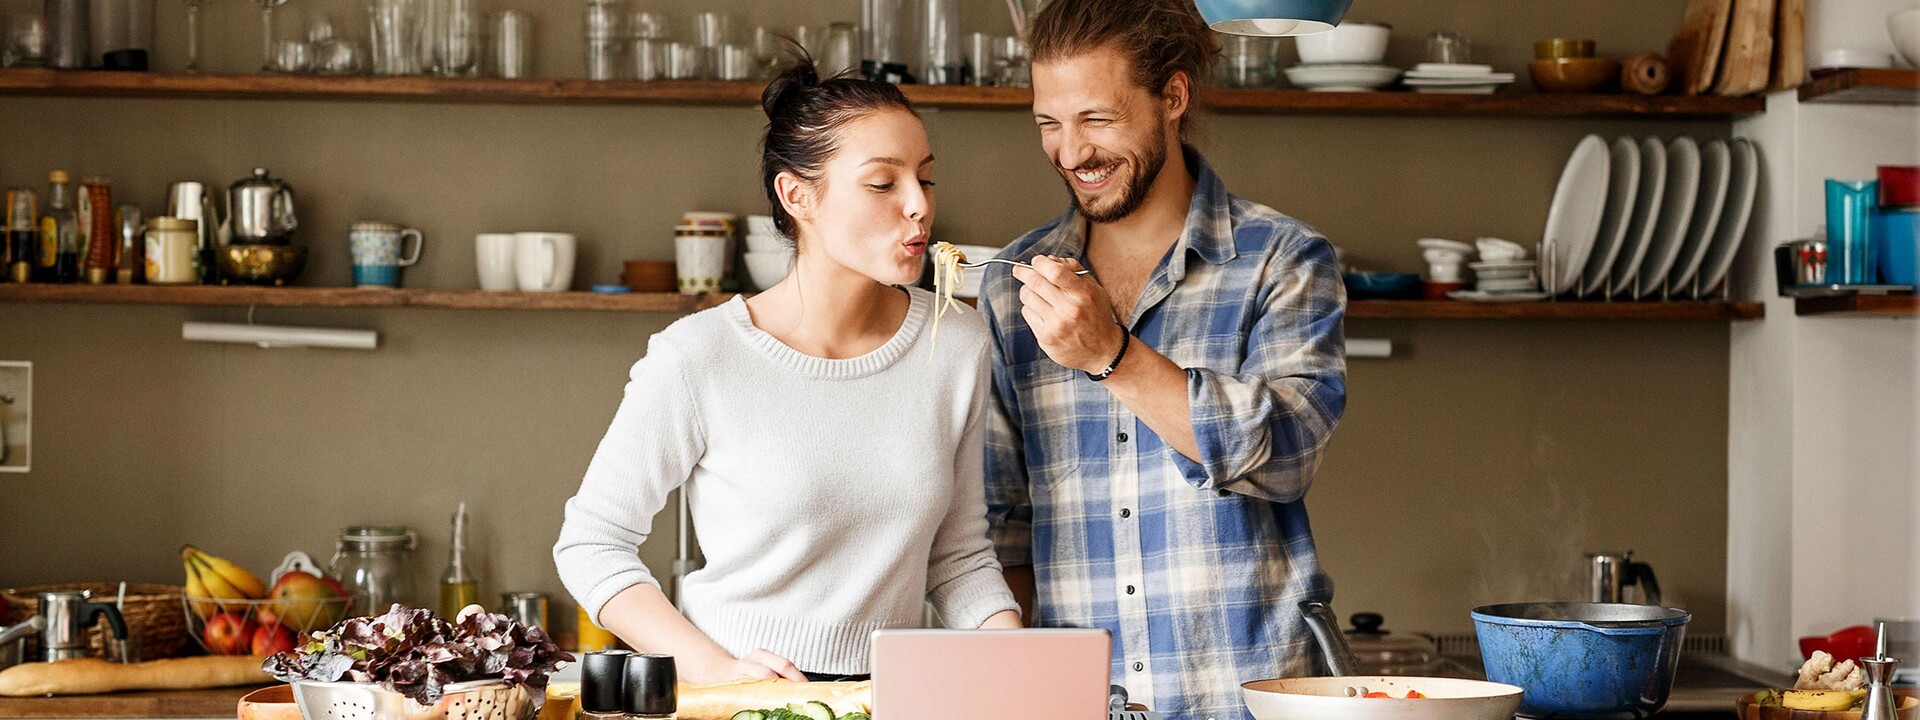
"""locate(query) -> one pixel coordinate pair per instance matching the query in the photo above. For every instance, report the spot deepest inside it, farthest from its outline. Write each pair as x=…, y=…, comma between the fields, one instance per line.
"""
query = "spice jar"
x=171, y=251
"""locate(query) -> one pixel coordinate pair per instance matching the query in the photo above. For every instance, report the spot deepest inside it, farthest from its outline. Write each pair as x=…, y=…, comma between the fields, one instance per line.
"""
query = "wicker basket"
x=155, y=626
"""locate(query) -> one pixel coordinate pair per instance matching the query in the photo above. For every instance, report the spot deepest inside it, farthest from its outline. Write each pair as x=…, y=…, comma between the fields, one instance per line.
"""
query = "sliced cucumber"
x=749, y=715
x=813, y=709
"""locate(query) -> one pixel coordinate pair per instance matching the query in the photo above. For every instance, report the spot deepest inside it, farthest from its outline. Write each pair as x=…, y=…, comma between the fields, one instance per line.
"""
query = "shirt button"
x=1123, y=437
x=1129, y=589
x=1138, y=667
x=1125, y=513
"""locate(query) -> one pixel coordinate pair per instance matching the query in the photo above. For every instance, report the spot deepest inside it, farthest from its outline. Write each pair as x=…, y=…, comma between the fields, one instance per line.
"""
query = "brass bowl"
x=261, y=264
x=1555, y=48
x=1576, y=75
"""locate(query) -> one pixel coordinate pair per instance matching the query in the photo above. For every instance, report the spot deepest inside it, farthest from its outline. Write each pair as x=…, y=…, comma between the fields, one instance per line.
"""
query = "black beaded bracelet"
x=1126, y=338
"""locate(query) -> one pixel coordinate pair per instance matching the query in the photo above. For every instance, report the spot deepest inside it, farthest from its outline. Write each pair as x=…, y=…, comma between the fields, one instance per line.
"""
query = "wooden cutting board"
x=1789, y=44
x=1748, y=61
x=1695, y=51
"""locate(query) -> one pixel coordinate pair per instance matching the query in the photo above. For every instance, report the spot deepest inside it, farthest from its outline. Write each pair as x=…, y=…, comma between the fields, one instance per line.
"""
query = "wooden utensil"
x=1789, y=44
x=269, y=703
x=1748, y=60
x=1695, y=51
x=1646, y=74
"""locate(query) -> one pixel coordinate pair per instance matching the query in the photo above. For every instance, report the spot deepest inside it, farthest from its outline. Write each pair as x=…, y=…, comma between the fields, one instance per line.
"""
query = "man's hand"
x=1071, y=315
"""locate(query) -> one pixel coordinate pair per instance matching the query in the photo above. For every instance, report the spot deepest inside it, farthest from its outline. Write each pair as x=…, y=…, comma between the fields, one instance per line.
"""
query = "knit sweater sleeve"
x=964, y=581
x=651, y=448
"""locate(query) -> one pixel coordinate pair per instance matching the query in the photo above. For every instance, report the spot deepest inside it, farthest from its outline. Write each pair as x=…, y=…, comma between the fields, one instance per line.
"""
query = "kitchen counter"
x=221, y=703
x=1704, y=683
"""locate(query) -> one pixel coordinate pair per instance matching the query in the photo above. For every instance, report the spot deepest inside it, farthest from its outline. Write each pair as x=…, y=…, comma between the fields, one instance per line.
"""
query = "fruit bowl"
x=224, y=626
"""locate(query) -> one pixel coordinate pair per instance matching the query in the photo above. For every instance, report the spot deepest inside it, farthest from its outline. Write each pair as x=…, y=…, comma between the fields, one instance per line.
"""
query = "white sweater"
x=831, y=496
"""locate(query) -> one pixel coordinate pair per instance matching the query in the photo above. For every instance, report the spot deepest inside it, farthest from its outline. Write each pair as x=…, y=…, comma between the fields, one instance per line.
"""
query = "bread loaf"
x=92, y=676
x=721, y=701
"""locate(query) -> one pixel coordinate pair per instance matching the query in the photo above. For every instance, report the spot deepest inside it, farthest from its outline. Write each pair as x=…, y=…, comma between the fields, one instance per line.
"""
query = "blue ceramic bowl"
x=1382, y=286
x=1585, y=661
x=1273, y=17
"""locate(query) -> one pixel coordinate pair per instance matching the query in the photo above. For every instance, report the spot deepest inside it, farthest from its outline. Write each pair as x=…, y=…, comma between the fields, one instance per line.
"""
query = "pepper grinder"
x=652, y=687
x=603, y=682
x=1882, y=704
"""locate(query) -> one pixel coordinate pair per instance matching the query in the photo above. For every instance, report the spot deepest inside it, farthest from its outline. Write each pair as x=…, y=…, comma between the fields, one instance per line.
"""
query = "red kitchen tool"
x=1899, y=186
x=1850, y=644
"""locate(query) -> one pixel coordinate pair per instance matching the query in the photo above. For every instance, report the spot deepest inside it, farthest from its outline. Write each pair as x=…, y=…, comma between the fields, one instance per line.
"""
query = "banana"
x=219, y=589
x=1823, y=700
x=247, y=583
x=197, y=589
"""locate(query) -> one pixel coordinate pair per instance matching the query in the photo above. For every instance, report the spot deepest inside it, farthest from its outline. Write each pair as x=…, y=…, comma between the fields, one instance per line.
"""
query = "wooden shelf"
x=1563, y=310
x=42, y=82
x=321, y=297
x=1860, y=305
x=1864, y=86
x=317, y=297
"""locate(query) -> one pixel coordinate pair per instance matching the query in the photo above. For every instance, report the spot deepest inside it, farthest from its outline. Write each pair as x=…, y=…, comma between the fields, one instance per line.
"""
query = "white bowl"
x=1498, y=250
x=1326, y=699
x=1904, y=26
x=762, y=225
x=767, y=269
x=1351, y=42
x=768, y=242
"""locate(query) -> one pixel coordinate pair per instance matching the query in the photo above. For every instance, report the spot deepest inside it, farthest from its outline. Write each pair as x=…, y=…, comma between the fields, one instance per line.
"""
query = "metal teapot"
x=61, y=623
x=260, y=210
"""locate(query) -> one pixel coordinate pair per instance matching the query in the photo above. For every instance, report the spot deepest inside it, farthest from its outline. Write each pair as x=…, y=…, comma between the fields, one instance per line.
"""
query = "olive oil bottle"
x=458, y=587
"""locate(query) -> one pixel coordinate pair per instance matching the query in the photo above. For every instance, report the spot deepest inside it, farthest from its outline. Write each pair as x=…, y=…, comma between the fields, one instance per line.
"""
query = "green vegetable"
x=812, y=710
x=749, y=715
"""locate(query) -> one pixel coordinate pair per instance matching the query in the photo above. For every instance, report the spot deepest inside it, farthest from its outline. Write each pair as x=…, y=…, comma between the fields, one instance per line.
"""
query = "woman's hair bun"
x=798, y=78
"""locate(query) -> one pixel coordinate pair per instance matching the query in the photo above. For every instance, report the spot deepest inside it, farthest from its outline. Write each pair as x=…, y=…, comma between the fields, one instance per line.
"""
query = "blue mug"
x=379, y=251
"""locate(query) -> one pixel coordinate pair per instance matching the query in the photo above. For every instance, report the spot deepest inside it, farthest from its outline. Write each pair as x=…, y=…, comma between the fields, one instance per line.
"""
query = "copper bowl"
x=1576, y=75
x=1554, y=48
x=261, y=264
x=269, y=703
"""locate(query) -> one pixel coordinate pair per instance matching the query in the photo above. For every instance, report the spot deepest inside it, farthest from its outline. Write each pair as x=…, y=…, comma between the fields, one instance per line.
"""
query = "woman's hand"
x=756, y=665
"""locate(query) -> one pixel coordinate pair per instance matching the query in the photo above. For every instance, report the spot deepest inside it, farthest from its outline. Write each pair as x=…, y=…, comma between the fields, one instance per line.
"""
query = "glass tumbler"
x=1850, y=256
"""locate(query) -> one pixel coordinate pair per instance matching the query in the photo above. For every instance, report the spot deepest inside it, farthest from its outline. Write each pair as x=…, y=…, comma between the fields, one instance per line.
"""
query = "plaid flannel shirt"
x=1197, y=568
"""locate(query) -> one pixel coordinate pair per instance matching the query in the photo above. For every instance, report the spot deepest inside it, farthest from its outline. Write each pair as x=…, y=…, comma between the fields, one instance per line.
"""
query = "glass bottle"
x=458, y=588
x=23, y=240
x=374, y=564
x=59, y=235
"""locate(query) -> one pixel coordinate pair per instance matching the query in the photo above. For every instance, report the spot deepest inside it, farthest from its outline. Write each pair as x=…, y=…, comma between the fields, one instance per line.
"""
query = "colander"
x=477, y=700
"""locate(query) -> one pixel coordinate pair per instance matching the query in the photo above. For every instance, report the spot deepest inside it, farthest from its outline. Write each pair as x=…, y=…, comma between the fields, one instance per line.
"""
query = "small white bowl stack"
x=769, y=255
x=1348, y=58
x=1503, y=274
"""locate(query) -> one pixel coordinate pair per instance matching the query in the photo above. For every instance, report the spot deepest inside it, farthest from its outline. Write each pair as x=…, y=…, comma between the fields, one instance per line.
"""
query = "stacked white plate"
x=769, y=257
x=1457, y=78
x=1342, y=77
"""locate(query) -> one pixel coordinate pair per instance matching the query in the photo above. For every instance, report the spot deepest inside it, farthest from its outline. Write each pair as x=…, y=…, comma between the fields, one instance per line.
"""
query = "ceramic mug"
x=379, y=252
x=493, y=253
x=543, y=261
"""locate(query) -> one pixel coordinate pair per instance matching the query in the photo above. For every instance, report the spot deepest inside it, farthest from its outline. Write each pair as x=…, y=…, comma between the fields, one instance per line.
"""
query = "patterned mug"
x=379, y=252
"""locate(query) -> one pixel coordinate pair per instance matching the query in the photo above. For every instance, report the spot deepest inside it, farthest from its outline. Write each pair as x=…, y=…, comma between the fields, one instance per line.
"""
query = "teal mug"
x=380, y=250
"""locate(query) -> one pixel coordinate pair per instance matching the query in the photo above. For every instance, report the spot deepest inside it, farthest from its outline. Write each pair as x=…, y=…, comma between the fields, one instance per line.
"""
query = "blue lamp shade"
x=1273, y=18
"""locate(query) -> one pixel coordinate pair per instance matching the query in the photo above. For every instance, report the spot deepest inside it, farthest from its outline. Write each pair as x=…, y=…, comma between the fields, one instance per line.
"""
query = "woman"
x=833, y=458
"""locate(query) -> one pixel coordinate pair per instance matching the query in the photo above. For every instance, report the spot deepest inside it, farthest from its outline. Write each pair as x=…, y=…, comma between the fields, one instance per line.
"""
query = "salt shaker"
x=603, y=682
x=1882, y=704
x=651, y=691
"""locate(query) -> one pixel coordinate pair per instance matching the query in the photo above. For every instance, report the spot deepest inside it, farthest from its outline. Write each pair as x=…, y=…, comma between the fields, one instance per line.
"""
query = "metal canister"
x=94, y=221
x=22, y=246
x=130, y=256
x=528, y=608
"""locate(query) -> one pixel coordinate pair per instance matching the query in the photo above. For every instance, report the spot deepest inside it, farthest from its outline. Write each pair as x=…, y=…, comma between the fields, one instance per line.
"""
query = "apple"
x=228, y=634
x=305, y=601
x=272, y=640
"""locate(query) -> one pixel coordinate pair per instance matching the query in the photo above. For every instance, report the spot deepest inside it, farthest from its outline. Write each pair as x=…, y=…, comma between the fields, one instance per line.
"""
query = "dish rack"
x=477, y=700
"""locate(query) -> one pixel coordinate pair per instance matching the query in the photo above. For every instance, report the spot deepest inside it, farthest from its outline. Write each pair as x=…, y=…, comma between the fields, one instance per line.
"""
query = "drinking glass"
x=1448, y=48
x=27, y=40
x=512, y=44
x=395, y=33
x=453, y=39
x=267, y=49
x=1850, y=256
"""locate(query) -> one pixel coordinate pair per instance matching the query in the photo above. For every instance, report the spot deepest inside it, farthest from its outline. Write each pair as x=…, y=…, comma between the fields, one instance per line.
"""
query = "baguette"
x=721, y=701
x=92, y=676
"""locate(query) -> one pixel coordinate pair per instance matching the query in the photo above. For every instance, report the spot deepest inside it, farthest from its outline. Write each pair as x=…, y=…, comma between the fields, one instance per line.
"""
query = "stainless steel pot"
x=13, y=641
x=260, y=209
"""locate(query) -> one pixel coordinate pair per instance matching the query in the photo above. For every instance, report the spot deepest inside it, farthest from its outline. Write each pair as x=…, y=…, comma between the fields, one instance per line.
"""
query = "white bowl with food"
x=1346, y=698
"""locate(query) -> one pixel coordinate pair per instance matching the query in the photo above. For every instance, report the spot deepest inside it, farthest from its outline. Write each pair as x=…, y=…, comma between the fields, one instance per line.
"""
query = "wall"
x=1474, y=467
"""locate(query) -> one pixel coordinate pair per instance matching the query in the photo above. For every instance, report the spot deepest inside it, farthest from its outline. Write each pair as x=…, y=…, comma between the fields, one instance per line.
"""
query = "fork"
x=989, y=261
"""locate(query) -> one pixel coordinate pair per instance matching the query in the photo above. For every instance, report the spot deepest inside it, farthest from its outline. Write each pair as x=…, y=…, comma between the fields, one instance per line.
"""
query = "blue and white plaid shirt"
x=1197, y=568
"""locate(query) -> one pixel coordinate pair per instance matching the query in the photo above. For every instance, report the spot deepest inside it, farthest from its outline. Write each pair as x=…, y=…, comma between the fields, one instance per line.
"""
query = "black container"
x=651, y=686
x=603, y=682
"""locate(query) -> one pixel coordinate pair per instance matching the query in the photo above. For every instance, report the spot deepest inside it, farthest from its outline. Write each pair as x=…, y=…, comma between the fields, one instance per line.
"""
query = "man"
x=1159, y=420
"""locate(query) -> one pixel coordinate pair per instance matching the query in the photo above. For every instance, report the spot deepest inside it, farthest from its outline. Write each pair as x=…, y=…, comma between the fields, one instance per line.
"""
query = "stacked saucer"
x=1456, y=78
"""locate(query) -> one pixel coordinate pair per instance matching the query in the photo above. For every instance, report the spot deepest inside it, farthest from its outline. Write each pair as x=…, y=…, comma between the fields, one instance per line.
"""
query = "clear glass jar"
x=374, y=563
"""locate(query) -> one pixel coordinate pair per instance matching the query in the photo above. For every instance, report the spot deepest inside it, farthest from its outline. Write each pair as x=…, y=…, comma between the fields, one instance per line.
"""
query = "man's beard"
x=1133, y=188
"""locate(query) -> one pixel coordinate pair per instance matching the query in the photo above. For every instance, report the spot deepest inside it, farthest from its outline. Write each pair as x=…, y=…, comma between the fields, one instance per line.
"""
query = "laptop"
x=1038, y=674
